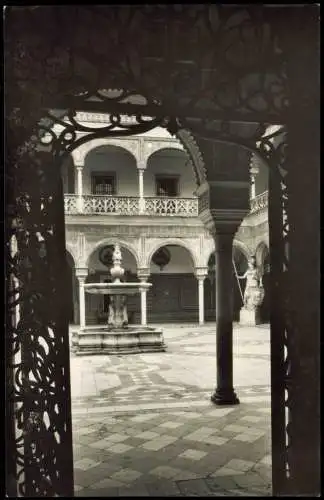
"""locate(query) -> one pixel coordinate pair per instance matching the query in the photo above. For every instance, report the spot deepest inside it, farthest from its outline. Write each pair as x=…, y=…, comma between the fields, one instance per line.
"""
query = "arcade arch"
x=99, y=264
x=174, y=294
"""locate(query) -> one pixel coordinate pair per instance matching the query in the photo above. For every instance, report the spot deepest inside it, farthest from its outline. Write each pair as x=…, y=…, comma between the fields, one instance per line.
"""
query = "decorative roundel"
x=162, y=257
x=105, y=255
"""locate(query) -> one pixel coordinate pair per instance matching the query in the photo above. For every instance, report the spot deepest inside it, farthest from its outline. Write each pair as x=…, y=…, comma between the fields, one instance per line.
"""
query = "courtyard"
x=144, y=425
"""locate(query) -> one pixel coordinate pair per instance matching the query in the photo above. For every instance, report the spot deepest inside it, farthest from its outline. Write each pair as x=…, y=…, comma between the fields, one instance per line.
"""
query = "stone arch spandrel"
x=151, y=147
x=131, y=146
x=111, y=241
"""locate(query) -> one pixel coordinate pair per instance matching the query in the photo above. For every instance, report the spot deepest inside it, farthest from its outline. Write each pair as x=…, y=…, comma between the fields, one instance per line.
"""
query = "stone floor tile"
x=185, y=475
x=226, y=471
x=126, y=475
x=248, y=480
x=119, y=448
x=106, y=483
x=158, y=443
x=143, y=418
x=247, y=438
x=161, y=489
x=267, y=460
x=165, y=471
x=77, y=487
x=239, y=465
x=193, y=487
x=220, y=412
x=131, y=491
x=85, y=464
x=147, y=435
x=235, y=428
x=251, y=418
x=193, y=454
x=217, y=440
x=225, y=482
x=171, y=425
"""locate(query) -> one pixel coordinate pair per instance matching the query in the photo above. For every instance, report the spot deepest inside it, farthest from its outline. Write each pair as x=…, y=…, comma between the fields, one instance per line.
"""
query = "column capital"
x=143, y=274
x=223, y=221
x=201, y=273
x=81, y=273
x=141, y=166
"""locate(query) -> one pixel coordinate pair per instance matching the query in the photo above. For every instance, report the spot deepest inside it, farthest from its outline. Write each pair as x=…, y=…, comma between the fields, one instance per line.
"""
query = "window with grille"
x=167, y=186
x=104, y=184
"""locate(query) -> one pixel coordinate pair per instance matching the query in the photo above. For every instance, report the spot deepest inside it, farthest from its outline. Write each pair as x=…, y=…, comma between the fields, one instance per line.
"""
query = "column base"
x=225, y=397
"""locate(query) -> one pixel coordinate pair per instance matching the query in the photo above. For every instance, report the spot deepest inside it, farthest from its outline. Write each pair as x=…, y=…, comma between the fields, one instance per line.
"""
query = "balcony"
x=130, y=205
x=127, y=205
x=259, y=202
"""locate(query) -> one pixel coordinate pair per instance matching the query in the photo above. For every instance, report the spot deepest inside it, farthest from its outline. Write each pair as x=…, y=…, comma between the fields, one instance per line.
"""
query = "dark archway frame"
x=39, y=458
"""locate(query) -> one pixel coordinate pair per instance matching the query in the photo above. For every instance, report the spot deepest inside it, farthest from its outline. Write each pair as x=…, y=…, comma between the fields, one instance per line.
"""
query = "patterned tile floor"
x=144, y=425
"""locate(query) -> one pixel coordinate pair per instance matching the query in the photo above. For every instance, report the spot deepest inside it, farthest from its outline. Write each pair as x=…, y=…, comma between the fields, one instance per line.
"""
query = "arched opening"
x=238, y=286
x=99, y=265
x=109, y=171
x=169, y=175
x=72, y=284
x=173, y=296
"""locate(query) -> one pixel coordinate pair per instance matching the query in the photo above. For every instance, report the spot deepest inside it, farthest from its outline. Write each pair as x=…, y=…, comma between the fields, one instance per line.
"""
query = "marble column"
x=80, y=188
x=141, y=190
x=143, y=306
x=81, y=274
x=224, y=393
x=201, y=275
x=143, y=275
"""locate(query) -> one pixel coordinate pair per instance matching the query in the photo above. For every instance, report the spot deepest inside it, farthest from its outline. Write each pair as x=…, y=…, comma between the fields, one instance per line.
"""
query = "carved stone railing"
x=127, y=205
x=187, y=207
x=70, y=204
x=118, y=205
x=259, y=202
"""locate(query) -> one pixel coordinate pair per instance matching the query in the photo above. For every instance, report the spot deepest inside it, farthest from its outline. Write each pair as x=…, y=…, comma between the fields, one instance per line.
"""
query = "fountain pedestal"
x=117, y=337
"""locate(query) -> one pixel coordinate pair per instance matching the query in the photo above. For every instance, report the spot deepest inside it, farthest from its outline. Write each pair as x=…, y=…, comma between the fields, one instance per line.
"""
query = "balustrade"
x=259, y=202
x=126, y=205
x=171, y=206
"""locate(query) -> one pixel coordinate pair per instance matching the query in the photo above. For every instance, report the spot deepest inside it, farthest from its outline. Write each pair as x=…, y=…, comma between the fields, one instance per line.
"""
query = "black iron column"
x=224, y=393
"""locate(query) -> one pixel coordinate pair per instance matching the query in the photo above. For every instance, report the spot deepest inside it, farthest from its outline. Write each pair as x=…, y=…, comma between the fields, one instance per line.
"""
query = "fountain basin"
x=128, y=340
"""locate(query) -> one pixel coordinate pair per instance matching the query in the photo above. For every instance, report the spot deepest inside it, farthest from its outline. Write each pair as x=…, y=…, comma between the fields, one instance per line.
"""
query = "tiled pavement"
x=143, y=424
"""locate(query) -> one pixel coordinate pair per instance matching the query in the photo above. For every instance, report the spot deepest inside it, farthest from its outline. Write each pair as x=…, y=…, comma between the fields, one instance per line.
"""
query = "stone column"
x=224, y=393
x=141, y=190
x=143, y=276
x=81, y=275
x=80, y=188
x=201, y=275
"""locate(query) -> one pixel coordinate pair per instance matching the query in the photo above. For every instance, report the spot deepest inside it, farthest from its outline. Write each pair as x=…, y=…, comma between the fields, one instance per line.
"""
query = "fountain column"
x=81, y=275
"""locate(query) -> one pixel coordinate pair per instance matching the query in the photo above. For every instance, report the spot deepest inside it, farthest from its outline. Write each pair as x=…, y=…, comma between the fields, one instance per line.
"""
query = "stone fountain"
x=117, y=337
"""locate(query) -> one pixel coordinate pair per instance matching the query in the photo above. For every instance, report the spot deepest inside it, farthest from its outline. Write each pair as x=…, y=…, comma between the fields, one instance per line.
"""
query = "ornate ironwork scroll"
x=38, y=402
x=280, y=321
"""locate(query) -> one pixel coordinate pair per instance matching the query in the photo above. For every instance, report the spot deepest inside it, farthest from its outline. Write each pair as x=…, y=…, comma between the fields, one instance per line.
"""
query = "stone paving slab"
x=144, y=425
